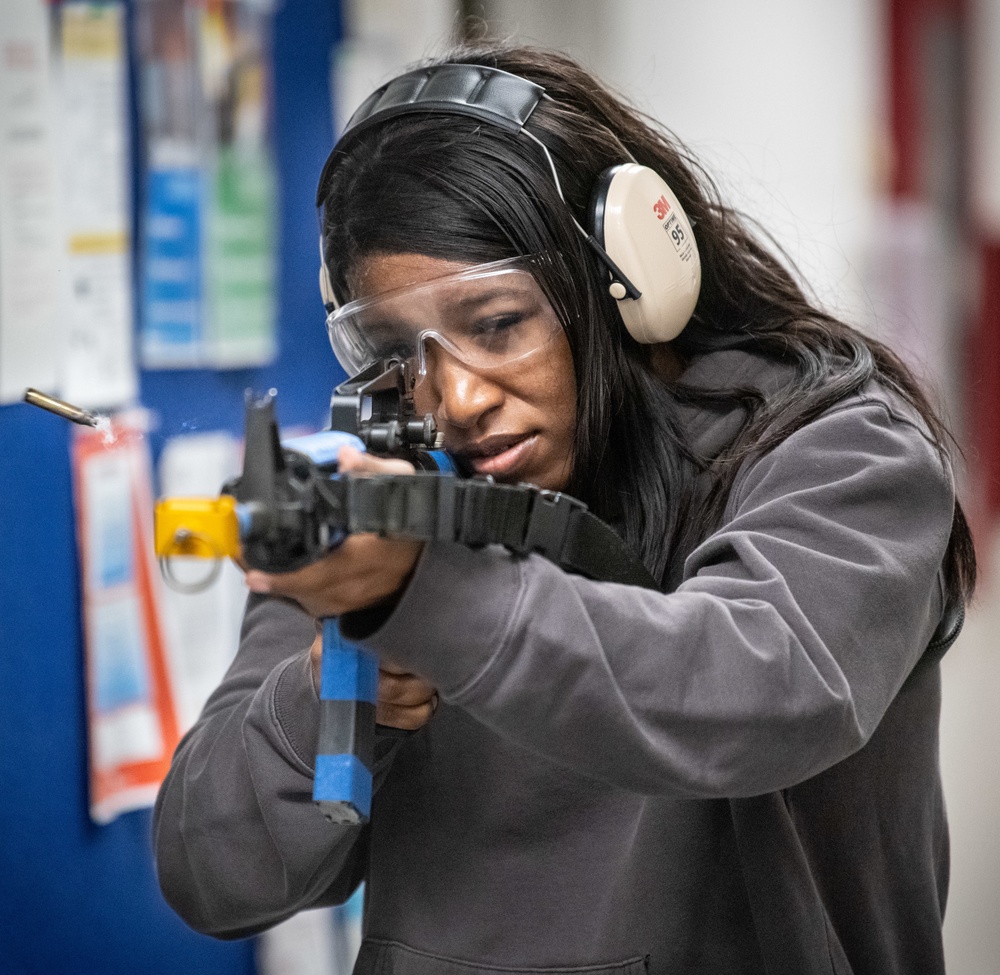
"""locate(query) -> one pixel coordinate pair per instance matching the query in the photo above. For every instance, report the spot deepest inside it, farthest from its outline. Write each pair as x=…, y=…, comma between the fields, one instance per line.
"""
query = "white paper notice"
x=29, y=234
x=201, y=628
x=98, y=368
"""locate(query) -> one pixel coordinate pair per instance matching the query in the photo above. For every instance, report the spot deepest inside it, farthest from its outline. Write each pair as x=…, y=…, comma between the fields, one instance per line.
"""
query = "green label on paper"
x=240, y=260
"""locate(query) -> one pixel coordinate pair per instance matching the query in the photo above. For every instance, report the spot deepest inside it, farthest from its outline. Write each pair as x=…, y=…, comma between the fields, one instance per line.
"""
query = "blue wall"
x=76, y=898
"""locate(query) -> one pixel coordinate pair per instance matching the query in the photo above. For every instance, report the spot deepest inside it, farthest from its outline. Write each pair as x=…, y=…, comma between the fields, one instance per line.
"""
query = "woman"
x=737, y=773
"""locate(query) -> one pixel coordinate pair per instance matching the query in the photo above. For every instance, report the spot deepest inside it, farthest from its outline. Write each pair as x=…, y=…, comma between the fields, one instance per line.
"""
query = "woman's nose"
x=462, y=395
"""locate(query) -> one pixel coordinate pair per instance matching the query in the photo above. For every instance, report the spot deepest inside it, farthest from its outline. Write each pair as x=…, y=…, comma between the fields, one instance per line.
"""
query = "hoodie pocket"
x=392, y=958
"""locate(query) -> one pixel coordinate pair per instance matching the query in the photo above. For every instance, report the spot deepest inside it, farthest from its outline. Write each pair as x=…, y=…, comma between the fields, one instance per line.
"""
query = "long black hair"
x=465, y=191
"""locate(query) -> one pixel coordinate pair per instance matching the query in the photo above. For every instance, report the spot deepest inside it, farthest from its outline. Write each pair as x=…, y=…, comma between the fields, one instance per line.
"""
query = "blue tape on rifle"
x=445, y=462
x=348, y=672
x=343, y=778
x=323, y=448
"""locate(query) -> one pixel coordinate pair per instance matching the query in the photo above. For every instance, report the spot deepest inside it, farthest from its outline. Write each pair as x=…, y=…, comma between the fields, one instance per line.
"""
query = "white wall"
x=779, y=98
x=782, y=99
x=381, y=38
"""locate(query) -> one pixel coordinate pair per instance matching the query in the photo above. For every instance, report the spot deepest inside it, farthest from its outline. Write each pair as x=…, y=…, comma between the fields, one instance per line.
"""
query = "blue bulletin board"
x=76, y=898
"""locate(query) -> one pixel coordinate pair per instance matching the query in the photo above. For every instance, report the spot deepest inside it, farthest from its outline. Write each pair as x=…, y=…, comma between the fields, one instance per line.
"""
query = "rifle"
x=289, y=507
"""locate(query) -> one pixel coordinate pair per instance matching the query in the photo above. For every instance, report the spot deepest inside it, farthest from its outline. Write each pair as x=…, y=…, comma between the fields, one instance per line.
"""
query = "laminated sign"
x=131, y=716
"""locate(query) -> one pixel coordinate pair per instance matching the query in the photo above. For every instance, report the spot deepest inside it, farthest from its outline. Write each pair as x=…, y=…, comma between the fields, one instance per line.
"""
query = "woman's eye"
x=394, y=348
x=497, y=324
x=387, y=341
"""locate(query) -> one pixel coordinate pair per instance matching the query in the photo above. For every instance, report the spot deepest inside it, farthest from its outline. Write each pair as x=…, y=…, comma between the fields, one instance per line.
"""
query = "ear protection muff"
x=640, y=231
x=638, y=220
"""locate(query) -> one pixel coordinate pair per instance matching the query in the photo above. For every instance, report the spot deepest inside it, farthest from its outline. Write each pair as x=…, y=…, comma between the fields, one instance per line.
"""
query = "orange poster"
x=132, y=720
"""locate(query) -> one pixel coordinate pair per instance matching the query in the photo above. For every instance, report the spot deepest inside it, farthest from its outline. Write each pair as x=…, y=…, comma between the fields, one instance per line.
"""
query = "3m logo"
x=661, y=208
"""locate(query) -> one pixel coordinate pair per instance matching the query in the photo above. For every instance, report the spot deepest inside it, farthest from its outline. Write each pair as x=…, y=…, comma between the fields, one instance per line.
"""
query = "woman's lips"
x=501, y=458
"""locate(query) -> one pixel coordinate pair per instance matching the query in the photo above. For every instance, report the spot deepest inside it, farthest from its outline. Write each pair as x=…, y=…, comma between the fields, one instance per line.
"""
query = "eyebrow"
x=486, y=296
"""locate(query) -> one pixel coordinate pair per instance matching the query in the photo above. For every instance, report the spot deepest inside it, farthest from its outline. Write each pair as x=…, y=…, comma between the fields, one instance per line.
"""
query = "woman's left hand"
x=403, y=701
x=363, y=571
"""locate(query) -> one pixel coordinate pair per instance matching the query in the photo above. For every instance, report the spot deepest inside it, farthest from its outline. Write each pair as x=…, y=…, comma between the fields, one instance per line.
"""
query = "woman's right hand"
x=363, y=571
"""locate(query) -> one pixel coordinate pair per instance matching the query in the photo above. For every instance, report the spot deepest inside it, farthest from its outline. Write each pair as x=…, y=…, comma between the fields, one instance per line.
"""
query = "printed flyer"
x=132, y=719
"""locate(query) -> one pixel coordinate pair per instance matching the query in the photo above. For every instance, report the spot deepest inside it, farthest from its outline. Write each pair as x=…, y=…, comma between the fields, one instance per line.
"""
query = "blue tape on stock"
x=343, y=778
x=348, y=672
x=323, y=448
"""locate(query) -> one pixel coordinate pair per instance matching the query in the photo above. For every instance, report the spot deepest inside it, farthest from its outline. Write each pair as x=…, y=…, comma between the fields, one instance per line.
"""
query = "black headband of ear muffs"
x=491, y=95
x=488, y=94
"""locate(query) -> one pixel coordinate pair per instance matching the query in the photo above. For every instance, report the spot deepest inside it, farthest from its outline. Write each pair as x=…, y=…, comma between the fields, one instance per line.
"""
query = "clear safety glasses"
x=487, y=316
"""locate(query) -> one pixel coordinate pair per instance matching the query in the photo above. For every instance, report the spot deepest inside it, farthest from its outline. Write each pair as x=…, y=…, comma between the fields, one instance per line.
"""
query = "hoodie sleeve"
x=796, y=624
x=239, y=842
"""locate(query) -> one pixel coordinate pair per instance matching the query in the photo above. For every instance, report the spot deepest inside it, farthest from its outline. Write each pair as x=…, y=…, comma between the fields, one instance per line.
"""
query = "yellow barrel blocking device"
x=201, y=528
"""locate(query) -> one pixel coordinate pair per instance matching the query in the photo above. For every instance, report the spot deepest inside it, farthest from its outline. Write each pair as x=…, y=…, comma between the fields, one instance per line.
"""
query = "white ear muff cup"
x=639, y=222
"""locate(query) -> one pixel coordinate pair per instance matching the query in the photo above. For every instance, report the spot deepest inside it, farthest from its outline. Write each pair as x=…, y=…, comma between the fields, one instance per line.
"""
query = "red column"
x=984, y=386
x=909, y=23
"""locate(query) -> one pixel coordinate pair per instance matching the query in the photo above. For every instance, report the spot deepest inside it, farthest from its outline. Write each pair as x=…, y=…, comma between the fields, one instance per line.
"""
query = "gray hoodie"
x=740, y=775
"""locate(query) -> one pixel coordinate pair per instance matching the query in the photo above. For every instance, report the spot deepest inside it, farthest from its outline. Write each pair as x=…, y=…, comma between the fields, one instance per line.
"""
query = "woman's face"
x=514, y=421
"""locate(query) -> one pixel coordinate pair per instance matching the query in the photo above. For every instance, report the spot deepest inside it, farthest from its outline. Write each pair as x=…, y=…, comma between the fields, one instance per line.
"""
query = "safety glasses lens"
x=488, y=316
